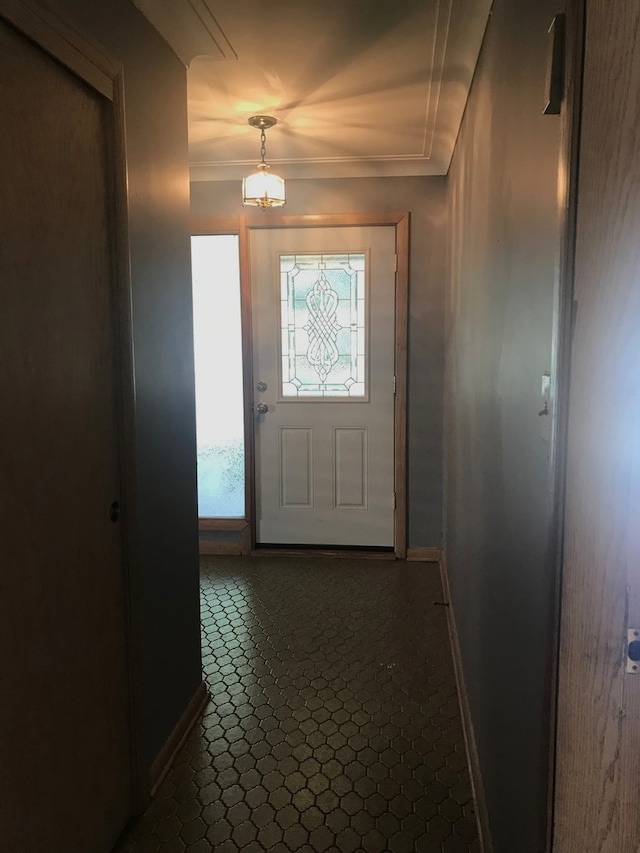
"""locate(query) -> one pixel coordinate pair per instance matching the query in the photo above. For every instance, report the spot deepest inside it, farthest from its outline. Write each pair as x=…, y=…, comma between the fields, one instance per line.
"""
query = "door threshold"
x=362, y=553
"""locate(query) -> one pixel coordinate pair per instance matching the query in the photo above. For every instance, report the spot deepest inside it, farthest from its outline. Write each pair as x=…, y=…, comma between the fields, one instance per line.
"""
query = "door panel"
x=598, y=730
x=296, y=466
x=65, y=768
x=324, y=463
x=350, y=478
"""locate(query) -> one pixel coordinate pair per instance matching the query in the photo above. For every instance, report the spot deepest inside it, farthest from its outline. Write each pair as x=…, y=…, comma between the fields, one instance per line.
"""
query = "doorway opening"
x=279, y=453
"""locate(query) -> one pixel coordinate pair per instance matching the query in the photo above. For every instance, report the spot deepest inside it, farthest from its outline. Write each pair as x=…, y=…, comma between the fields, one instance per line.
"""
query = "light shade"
x=263, y=189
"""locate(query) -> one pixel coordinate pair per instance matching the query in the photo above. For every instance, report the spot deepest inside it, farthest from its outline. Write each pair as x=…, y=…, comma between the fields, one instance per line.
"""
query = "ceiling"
x=359, y=87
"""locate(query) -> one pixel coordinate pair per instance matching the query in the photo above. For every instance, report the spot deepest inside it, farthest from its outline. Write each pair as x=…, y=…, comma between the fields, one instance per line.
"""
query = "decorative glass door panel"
x=323, y=325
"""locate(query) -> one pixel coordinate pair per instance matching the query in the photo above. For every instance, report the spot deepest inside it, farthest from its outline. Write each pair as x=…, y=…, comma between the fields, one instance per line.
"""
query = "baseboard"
x=220, y=548
x=223, y=524
x=482, y=815
x=424, y=555
x=323, y=552
x=231, y=546
x=178, y=736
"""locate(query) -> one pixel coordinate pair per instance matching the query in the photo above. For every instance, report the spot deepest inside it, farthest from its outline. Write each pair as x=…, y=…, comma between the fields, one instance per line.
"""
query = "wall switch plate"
x=544, y=414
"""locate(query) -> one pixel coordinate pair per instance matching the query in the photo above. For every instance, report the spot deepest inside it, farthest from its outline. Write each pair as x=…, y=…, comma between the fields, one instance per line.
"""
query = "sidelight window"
x=218, y=367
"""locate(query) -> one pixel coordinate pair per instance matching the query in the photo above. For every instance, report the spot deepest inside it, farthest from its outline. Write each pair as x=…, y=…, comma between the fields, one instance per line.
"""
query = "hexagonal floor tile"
x=333, y=723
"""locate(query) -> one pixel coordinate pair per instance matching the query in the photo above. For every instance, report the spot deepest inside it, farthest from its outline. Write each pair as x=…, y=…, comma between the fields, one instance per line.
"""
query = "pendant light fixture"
x=262, y=188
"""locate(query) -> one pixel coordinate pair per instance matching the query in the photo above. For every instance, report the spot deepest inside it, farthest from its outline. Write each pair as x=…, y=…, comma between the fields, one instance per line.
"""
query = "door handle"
x=114, y=511
x=262, y=408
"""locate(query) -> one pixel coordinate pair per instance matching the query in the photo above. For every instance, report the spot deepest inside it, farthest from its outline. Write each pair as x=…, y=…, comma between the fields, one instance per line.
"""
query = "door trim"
x=243, y=226
x=103, y=73
x=570, y=118
x=78, y=53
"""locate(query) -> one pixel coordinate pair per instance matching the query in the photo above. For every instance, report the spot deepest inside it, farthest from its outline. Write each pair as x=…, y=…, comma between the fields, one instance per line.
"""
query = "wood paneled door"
x=598, y=733
x=65, y=766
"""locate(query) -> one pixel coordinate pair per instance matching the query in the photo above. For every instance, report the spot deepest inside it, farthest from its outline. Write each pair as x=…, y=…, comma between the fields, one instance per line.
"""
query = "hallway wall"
x=166, y=600
x=504, y=248
x=425, y=198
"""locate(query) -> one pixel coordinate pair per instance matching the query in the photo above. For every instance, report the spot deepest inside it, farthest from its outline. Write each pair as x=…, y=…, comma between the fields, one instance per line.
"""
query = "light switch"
x=544, y=414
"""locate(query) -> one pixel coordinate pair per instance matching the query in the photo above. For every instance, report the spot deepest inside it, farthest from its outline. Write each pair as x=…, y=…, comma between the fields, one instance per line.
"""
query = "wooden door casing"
x=244, y=226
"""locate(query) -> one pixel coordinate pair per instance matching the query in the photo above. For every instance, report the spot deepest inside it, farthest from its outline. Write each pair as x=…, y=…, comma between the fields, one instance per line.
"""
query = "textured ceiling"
x=359, y=87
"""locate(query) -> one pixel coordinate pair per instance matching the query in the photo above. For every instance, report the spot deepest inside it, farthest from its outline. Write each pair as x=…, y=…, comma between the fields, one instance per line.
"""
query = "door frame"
x=564, y=318
x=243, y=226
x=102, y=72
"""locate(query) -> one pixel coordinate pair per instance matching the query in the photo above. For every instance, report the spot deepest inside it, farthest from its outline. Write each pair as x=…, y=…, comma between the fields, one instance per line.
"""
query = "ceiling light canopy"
x=262, y=188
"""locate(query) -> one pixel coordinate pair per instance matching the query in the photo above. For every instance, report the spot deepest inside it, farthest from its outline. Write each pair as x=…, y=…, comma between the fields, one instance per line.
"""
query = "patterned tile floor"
x=333, y=723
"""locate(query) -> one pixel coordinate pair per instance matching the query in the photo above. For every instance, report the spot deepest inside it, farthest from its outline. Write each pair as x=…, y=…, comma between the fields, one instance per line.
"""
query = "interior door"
x=598, y=729
x=323, y=307
x=64, y=712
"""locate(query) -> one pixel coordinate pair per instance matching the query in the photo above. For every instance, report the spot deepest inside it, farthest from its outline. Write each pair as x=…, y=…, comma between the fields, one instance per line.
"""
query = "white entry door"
x=323, y=305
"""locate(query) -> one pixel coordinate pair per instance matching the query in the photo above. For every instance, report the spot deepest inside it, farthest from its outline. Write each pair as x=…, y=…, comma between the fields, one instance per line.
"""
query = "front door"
x=323, y=306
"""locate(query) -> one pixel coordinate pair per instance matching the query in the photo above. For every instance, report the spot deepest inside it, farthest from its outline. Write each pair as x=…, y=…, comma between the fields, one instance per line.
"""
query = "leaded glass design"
x=323, y=311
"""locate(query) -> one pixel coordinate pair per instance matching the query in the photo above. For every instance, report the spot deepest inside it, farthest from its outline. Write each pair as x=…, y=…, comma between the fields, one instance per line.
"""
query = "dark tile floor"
x=333, y=723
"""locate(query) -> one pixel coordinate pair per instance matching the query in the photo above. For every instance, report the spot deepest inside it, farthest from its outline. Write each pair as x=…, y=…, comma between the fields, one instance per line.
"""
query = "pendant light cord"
x=263, y=145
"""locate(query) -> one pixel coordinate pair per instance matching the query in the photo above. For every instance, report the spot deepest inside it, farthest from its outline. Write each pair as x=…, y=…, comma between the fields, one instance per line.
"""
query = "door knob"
x=262, y=408
x=114, y=511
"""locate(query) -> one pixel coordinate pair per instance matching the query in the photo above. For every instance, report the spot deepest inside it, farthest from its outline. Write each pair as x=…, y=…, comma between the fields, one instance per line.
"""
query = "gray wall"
x=504, y=246
x=166, y=597
x=425, y=198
